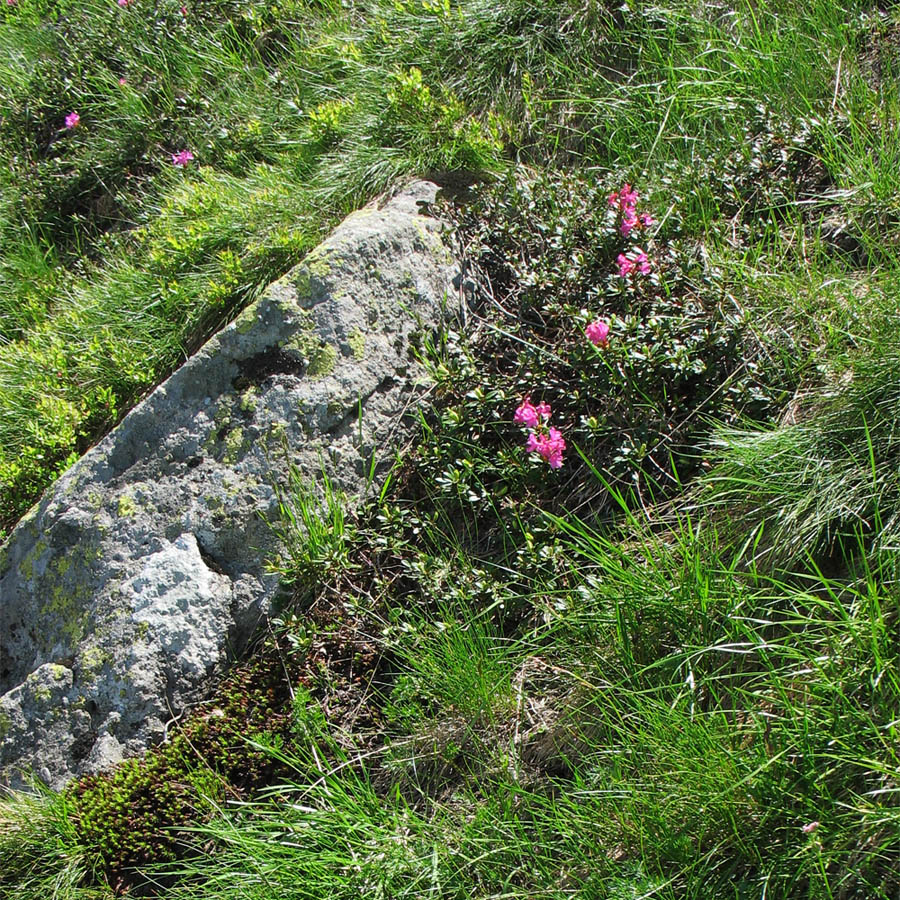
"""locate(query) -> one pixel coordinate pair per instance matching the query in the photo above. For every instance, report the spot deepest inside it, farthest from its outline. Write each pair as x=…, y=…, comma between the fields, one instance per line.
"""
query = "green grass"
x=640, y=675
x=333, y=103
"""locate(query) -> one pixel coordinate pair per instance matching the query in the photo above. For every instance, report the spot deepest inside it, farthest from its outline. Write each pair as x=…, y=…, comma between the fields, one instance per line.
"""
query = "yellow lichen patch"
x=247, y=320
x=92, y=660
x=249, y=399
x=126, y=506
x=236, y=445
x=26, y=566
x=66, y=606
x=321, y=361
x=318, y=263
x=357, y=341
x=320, y=356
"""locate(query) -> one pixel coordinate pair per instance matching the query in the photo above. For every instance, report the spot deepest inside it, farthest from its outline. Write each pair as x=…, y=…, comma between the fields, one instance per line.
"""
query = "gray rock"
x=123, y=591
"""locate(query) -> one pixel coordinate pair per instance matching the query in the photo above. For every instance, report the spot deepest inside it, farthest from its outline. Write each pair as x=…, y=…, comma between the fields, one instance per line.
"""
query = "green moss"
x=131, y=815
x=357, y=341
x=5, y=725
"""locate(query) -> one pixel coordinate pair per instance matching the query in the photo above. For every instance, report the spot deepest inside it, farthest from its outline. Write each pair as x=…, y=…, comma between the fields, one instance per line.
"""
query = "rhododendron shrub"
x=625, y=332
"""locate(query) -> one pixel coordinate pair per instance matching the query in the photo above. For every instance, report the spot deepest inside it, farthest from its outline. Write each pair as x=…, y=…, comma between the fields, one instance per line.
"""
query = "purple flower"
x=72, y=120
x=182, y=158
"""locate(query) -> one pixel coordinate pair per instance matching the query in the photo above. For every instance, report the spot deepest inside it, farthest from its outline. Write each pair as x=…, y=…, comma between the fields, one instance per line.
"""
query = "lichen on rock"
x=124, y=591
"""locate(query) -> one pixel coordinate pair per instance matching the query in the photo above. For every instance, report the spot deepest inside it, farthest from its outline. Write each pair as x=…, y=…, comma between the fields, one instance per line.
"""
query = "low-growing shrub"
x=589, y=298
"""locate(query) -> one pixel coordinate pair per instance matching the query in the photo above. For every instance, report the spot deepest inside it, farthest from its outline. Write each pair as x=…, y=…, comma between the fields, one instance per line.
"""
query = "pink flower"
x=597, y=332
x=184, y=11
x=626, y=266
x=124, y=3
x=531, y=416
x=12, y=2
x=624, y=202
x=640, y=263
x=629, y=220
x=550, y=446
x=627, y=196
x=182, y=158
x=72, y=120
x=553, y=448
x=123, y=81
x=810, y=827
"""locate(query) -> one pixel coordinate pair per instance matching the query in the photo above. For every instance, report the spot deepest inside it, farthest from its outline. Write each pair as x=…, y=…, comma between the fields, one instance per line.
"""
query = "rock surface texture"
x=127, y=587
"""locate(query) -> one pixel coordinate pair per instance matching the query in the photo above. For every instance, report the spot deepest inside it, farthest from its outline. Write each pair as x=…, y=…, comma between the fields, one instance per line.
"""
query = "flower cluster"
x=72, y=120
x=637, y=262
x=544, y=440
x=624, y=202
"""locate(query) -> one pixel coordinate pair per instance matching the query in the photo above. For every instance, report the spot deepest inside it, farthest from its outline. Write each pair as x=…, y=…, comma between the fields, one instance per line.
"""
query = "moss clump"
x=130, y=816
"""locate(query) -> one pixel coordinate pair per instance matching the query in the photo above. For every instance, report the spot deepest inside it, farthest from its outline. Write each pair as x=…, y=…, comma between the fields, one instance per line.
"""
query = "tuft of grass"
x=41, y=852
x=824, y=485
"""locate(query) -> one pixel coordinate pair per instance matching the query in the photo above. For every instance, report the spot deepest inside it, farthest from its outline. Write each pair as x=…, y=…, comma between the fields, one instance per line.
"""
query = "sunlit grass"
x=655, y=704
